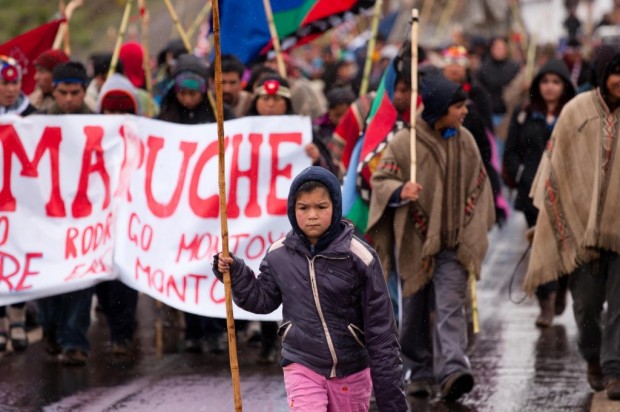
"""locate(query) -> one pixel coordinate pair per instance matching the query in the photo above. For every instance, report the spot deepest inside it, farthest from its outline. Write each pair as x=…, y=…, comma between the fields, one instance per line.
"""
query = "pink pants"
x=308, y=391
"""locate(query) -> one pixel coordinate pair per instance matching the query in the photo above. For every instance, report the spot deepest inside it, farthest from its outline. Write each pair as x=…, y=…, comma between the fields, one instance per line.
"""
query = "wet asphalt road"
x=516, y=366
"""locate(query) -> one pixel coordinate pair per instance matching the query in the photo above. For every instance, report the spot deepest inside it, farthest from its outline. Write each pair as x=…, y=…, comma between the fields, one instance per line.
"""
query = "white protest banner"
x=86, y=187
x=58, y=199
x=171, y=227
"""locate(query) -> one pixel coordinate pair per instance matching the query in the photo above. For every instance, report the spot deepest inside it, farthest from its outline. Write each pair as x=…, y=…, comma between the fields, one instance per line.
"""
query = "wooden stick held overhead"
x=198, y=20
x=146, y=63
x=414, y=90
x=177, y=24
x=274, y=38
x=119, y=38
x=371, y=47
x=230, y=320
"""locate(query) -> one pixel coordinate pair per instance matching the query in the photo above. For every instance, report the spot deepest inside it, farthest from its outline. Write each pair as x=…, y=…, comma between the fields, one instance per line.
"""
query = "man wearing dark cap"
x=69, y=82
x=577, y=192
x=434, y=232
x=66, y=318
x=42, y=97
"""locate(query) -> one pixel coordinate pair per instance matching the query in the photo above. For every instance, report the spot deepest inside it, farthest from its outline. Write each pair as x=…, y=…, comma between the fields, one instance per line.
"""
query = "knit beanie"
x=190, y=63
x=132, y=56
x=10, y=71
x=339, y=95
x=118, y=101
x=190, y=81
x=50, y=59
x=438, y=94
x=69, y=72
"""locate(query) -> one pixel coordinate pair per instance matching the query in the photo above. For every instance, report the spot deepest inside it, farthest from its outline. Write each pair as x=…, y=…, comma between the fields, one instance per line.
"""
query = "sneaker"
x=51, y=345
x=120, y=350
x=3, y=340
x=73, y=357
x=18, y=336
x=193, y=346
x=215, y=345
x=595, y=376
x=457, y=385
x=421, y=388
x=268, y=356
x=612, y=387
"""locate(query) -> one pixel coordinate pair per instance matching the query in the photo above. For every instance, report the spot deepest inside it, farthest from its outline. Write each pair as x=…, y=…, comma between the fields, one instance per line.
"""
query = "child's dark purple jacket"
x=337, y=315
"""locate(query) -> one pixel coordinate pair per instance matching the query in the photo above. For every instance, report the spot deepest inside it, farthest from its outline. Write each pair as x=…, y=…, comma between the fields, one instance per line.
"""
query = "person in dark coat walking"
x=528, y=134
x=496, y=72
x=339, y=329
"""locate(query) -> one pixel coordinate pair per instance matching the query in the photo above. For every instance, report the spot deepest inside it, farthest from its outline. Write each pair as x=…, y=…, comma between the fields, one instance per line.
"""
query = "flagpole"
x=146, y=63
x=198, y=20
x=177, y=24
x=230, y=320
x=274, y=38
x=414, y=91
x=63, y=30
x=445, y=18
x=371, y=47
x=119, y=38
x=427, y=7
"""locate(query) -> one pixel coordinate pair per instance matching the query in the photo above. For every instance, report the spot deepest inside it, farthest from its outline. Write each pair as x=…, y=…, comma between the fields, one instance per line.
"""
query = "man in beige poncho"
x=577, y=190
x=434, y=232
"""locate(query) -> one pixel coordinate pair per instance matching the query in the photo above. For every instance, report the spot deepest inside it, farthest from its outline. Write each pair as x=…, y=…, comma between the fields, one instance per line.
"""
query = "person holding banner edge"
x=66, y=317
x=13, y=101
x=339, y=337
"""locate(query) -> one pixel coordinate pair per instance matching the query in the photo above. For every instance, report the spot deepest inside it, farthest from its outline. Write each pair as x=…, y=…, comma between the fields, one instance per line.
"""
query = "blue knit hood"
x=324, y=176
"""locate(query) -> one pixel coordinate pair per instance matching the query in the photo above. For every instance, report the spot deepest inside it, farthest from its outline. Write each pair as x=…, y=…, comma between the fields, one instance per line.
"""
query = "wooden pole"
x=530, y=59
x=371, y=47
x=414, y=91
x=119, y=38
x=516, y=15
x=177, y=24
x=198, y=20
x=63, y=29
x=274, y=38
x=230, y=320
x=146, y=63
x=444, y=20
x=427, y=7
x=474, y=303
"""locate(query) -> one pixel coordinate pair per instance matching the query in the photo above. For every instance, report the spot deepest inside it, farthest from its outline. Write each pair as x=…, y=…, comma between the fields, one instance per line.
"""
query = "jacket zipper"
x=317, y=302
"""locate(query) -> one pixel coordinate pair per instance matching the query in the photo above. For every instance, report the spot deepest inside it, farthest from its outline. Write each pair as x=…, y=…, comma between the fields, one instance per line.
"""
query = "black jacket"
x=337, y=315
x=528, y=135
x=494, y=76
x=173, y=111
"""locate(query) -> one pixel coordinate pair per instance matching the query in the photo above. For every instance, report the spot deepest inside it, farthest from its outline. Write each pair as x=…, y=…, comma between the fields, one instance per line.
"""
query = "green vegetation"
x=87, y=28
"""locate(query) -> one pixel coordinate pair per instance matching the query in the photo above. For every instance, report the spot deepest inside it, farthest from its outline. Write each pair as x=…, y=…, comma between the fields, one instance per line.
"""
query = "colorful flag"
x=245, y=31
x=26, y=47
x=383, y=122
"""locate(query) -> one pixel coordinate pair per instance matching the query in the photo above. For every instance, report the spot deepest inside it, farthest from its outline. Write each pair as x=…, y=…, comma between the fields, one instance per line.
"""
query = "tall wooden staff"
x=177, y=24
x=274, y=38
x=63, y=30
x=414, y=90
x=198, y=20
x=371, y=47
x=146, y=62
x=119, y=38
x=230, y=320
x=444, y=20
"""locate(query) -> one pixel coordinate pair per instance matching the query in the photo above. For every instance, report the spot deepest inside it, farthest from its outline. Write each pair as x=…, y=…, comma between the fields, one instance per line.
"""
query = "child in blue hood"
x=339, y=337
